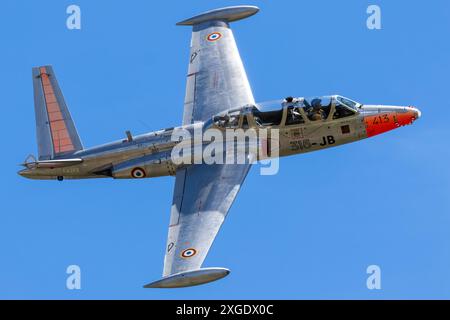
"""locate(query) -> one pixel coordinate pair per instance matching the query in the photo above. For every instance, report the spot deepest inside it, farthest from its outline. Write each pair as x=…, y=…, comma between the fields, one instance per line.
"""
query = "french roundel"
x=214, y=36
x=138, y=173
x=189, y=253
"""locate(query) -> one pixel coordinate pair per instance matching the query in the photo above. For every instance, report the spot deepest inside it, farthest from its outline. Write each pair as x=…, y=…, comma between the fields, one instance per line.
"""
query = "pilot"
x=287, y=102
x=315, y=112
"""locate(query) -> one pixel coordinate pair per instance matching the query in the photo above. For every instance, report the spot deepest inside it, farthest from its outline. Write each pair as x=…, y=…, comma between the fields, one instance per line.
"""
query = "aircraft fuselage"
x=150, y=155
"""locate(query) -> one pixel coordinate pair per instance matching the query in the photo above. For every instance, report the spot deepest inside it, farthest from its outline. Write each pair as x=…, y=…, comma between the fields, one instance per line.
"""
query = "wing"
x=203, y=193
x=202, y=197
x=216, y=78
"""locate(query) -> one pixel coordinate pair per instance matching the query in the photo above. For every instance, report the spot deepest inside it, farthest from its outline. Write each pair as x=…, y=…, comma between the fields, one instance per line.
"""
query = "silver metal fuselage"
x=151, y=152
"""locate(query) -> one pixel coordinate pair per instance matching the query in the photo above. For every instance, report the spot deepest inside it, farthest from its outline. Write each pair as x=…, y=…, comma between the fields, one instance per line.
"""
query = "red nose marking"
x=384, y=122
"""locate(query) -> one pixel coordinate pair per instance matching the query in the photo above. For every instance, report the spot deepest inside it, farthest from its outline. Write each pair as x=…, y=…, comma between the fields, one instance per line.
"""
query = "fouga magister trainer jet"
x=218, y=95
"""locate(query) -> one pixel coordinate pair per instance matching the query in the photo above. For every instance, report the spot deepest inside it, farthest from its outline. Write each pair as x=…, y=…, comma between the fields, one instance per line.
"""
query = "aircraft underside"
x=223, y=132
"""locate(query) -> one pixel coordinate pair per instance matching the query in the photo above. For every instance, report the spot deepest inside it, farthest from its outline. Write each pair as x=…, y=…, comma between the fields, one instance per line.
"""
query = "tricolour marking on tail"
x=57, y=136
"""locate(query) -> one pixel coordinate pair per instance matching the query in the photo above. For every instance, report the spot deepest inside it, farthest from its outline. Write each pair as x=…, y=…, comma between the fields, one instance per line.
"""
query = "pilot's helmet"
x=316, y=103
x=289, y=99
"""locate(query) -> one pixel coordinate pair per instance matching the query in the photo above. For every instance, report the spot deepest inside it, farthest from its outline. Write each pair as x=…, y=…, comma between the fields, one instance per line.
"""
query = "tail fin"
x=56, y=132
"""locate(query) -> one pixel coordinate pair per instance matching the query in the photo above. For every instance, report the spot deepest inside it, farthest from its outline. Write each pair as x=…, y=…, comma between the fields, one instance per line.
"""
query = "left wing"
x=204, y=193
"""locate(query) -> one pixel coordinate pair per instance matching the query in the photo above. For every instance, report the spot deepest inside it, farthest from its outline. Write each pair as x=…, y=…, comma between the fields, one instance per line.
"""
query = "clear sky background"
x=309, y=231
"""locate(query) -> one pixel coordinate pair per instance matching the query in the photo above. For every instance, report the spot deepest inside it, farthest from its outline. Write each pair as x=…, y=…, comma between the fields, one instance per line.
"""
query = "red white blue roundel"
x=188, y=253
x=214, y=36
x=138, y=173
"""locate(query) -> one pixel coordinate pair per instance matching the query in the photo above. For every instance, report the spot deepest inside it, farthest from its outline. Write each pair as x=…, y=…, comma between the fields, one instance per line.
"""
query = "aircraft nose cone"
x=417, y=113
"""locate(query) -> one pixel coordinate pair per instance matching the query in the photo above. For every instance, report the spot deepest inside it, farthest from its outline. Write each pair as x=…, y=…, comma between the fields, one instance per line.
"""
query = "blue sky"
x=308, y=232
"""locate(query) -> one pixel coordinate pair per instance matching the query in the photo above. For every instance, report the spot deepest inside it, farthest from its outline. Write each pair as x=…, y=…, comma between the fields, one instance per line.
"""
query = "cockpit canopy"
x=290, y=111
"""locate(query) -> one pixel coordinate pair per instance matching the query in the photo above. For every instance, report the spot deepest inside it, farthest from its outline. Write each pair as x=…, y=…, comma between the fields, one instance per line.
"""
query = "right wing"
x=56, y=133
x=202, y=197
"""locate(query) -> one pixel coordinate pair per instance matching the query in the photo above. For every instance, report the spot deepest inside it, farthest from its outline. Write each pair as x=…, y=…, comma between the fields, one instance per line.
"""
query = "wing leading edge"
x=203, y=193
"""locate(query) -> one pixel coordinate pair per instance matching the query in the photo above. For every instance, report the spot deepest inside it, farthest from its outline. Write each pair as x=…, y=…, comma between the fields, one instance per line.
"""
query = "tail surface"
x=57, y=136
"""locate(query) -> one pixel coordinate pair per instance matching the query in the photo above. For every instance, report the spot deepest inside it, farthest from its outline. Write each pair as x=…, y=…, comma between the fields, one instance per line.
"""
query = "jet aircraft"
x=218, y=95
